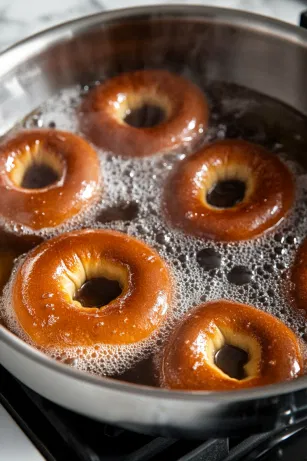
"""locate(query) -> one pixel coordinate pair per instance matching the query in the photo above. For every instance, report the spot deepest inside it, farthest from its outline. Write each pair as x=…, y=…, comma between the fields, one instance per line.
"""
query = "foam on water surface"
x=264, y=262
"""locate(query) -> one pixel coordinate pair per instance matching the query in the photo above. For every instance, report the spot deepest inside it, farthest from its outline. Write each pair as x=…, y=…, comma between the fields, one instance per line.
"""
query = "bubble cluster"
x=202, y=270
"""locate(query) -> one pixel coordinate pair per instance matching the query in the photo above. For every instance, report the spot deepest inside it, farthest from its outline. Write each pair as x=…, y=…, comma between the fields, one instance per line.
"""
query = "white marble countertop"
x=21, y=18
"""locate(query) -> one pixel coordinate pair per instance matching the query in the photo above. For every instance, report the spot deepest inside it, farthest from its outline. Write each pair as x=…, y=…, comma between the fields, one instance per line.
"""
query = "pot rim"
x=14, y=55
x=35, y=44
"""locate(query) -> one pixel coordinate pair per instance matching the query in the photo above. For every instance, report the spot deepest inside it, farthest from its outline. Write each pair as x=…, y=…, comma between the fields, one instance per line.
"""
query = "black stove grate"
x=62, y=435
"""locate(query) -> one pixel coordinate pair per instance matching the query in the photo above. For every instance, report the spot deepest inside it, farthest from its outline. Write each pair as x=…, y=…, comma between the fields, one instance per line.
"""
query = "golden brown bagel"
x=269, y=192
x=45, y=285
x=103, y=112
x=73, y=161
x=299, y=277
x=188, y=359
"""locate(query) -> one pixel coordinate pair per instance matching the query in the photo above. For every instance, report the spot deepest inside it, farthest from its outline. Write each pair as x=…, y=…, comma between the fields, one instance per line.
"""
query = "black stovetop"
x=62, y=435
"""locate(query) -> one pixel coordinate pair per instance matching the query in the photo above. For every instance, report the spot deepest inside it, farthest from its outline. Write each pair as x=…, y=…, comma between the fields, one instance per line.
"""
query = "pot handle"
x=303, y=19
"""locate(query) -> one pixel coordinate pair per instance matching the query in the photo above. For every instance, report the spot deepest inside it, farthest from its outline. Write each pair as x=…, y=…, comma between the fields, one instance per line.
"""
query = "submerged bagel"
x=188, y=360
x=299, y=277
x=268, y=195
x=46, y=283
x=183, y=106
x=75, y=169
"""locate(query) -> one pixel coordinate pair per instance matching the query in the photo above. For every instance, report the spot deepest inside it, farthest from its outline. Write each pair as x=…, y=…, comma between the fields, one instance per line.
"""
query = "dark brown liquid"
x=231, y=360
x=145, y=117
x=18, y=243
x=98, y=292
x=244, y=114
x=226, y=194
x=141, y=373
x=39, y=176
x=208, y=259
x=240, y=275
x=122, y=212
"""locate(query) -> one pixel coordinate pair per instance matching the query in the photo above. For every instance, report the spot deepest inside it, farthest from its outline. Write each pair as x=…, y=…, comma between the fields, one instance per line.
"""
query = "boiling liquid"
x=252, y=272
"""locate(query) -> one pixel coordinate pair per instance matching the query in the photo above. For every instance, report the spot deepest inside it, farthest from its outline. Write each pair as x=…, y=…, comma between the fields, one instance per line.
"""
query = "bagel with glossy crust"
x=188, y=359
x=268, y=192
x=46, y=283
x=74, y=168
x=182, y=106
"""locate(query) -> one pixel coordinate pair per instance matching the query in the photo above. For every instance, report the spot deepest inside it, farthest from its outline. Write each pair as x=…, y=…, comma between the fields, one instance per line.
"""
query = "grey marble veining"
x=21, y=18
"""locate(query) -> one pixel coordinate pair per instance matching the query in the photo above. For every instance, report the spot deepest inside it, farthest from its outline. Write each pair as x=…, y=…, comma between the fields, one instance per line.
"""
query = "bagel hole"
x=98, y=292
x=146, y=116
x=226, y=194
x=37, y=167
x=231, y=361
x=39, y=176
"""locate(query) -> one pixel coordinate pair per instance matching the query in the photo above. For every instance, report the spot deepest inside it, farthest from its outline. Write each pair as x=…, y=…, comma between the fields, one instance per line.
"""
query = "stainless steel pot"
x=259, y=53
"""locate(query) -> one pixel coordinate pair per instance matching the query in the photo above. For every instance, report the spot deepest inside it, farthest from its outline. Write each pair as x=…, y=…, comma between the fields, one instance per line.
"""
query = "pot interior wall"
x=217, y=46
